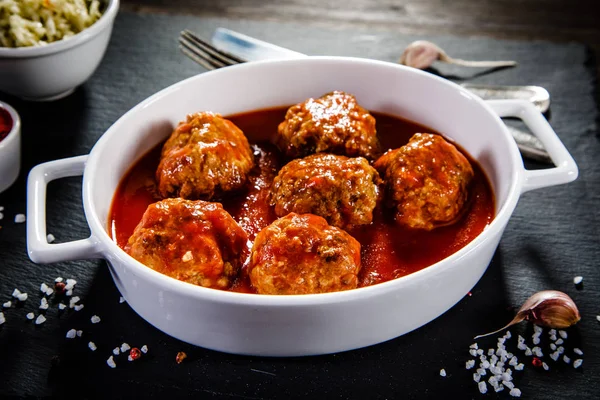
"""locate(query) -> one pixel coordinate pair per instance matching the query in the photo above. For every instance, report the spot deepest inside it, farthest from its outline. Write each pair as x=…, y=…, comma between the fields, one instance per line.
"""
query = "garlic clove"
x=548, y=308
x=422, y=54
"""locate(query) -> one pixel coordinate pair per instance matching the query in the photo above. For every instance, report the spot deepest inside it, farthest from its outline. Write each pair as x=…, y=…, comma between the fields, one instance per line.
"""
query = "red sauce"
x=6, y=123
x=388, y=251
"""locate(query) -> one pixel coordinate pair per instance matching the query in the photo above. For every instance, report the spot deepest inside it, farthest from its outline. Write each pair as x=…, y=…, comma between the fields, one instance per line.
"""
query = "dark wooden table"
x=554, y=20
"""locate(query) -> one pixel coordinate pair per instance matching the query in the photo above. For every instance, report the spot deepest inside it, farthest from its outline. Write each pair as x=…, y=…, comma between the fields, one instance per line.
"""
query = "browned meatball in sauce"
x=342, y=190
x=204, y=157
x=333, y=123
x=426, y=181
x=194, y=241
x=302, y=254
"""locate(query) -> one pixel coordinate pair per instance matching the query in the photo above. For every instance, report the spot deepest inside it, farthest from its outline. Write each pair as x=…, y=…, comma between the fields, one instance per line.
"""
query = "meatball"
x=302, y=254
x=426, y=181
x=342, y=190
x=333, y=123
x=204, y=157
x=191, y=240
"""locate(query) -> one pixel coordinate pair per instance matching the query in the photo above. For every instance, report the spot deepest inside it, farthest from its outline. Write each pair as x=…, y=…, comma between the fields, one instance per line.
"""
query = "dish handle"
x=40, y=251
x=565, y=169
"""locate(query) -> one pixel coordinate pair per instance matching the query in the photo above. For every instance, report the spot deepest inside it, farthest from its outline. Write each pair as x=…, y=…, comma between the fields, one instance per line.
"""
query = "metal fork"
x=210, y=57
x=204, y=53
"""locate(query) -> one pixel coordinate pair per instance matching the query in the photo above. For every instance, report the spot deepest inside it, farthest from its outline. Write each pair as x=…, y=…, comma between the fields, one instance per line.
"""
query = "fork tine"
x=197, y=59
x=198, y=46
x=201, y=53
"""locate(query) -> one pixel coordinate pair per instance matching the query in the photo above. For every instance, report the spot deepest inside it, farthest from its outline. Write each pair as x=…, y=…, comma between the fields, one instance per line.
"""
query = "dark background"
x=552, y=236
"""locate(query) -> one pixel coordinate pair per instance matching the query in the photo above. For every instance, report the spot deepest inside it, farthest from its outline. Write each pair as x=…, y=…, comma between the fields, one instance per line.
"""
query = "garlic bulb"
x=548, y=308
x=421, y=54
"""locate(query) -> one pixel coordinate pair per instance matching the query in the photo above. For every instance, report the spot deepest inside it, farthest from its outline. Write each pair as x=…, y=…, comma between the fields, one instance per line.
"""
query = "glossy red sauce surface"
x=6, y=123
x=388, y=251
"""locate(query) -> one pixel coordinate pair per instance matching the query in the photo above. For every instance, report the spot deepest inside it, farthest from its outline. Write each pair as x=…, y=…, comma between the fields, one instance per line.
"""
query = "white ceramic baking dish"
x=306, y=324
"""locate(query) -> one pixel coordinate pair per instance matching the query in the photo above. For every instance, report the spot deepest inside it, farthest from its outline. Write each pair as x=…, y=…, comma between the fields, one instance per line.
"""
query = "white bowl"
x=300, y=324
x=54, y=71
x=10, y=151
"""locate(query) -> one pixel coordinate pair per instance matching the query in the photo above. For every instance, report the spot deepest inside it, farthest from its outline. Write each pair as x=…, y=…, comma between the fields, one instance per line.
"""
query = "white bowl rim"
x=16, y=126
x=108, y=246
x=64, y=44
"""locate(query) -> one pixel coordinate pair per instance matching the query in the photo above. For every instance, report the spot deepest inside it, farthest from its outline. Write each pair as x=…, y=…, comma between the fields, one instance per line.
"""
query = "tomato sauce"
x=6, y=123
x=388, y=251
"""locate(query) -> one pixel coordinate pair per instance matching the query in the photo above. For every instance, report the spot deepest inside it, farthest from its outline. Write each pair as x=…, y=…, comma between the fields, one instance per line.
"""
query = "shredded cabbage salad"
x=38, y=22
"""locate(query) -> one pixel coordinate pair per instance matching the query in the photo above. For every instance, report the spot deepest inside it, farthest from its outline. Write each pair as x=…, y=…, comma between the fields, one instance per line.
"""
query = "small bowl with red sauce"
x=10, y=146
x=409, y=279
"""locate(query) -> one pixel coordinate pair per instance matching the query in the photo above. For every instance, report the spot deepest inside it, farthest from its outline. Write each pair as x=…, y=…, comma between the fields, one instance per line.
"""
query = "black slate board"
x=552, y=237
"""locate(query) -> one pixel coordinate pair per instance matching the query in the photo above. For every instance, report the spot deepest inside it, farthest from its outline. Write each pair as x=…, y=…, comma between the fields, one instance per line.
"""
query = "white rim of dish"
x=106, y=19
x=16, y=124
x=108, y=245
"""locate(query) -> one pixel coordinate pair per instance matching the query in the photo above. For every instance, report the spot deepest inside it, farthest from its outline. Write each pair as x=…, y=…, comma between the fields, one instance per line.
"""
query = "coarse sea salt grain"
x=577, y=363
x=144, y=349
x=79, y=333
x=22, y=297
x=116, y=351
x=515, y=392
x=129, y=358
x=552, y=346
x=442, y=371
x=92, y=346
x=121, y=299
x=71, y=282
x=577, y=280
x=473, y=352
x=58, y=279
x=528, y=351
x=482, y=387
x=474, y=346
x=40, y=319
x=481, y=371
x=559, y=341
x=19, y=218
x=563, y=334
x=49, y=292
x=554, y=356
x=30, y=316
x=7, y=304
x=508, y=384
x=519, y=367
x=50, y=238
x=2, y=318
x=43, y=287
x=43, y=304
x=73, y=301
x=61, y=306
x=545, y=366
x=78, y=307
x=125, y=347
x=69, y=292
x=598, y=318
x=536, y=340
x=476, y=377
x=470, y=364
x=566, y=359
x=111, y=362
x=577, y=351
x=95, y=319
x=71, y=334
